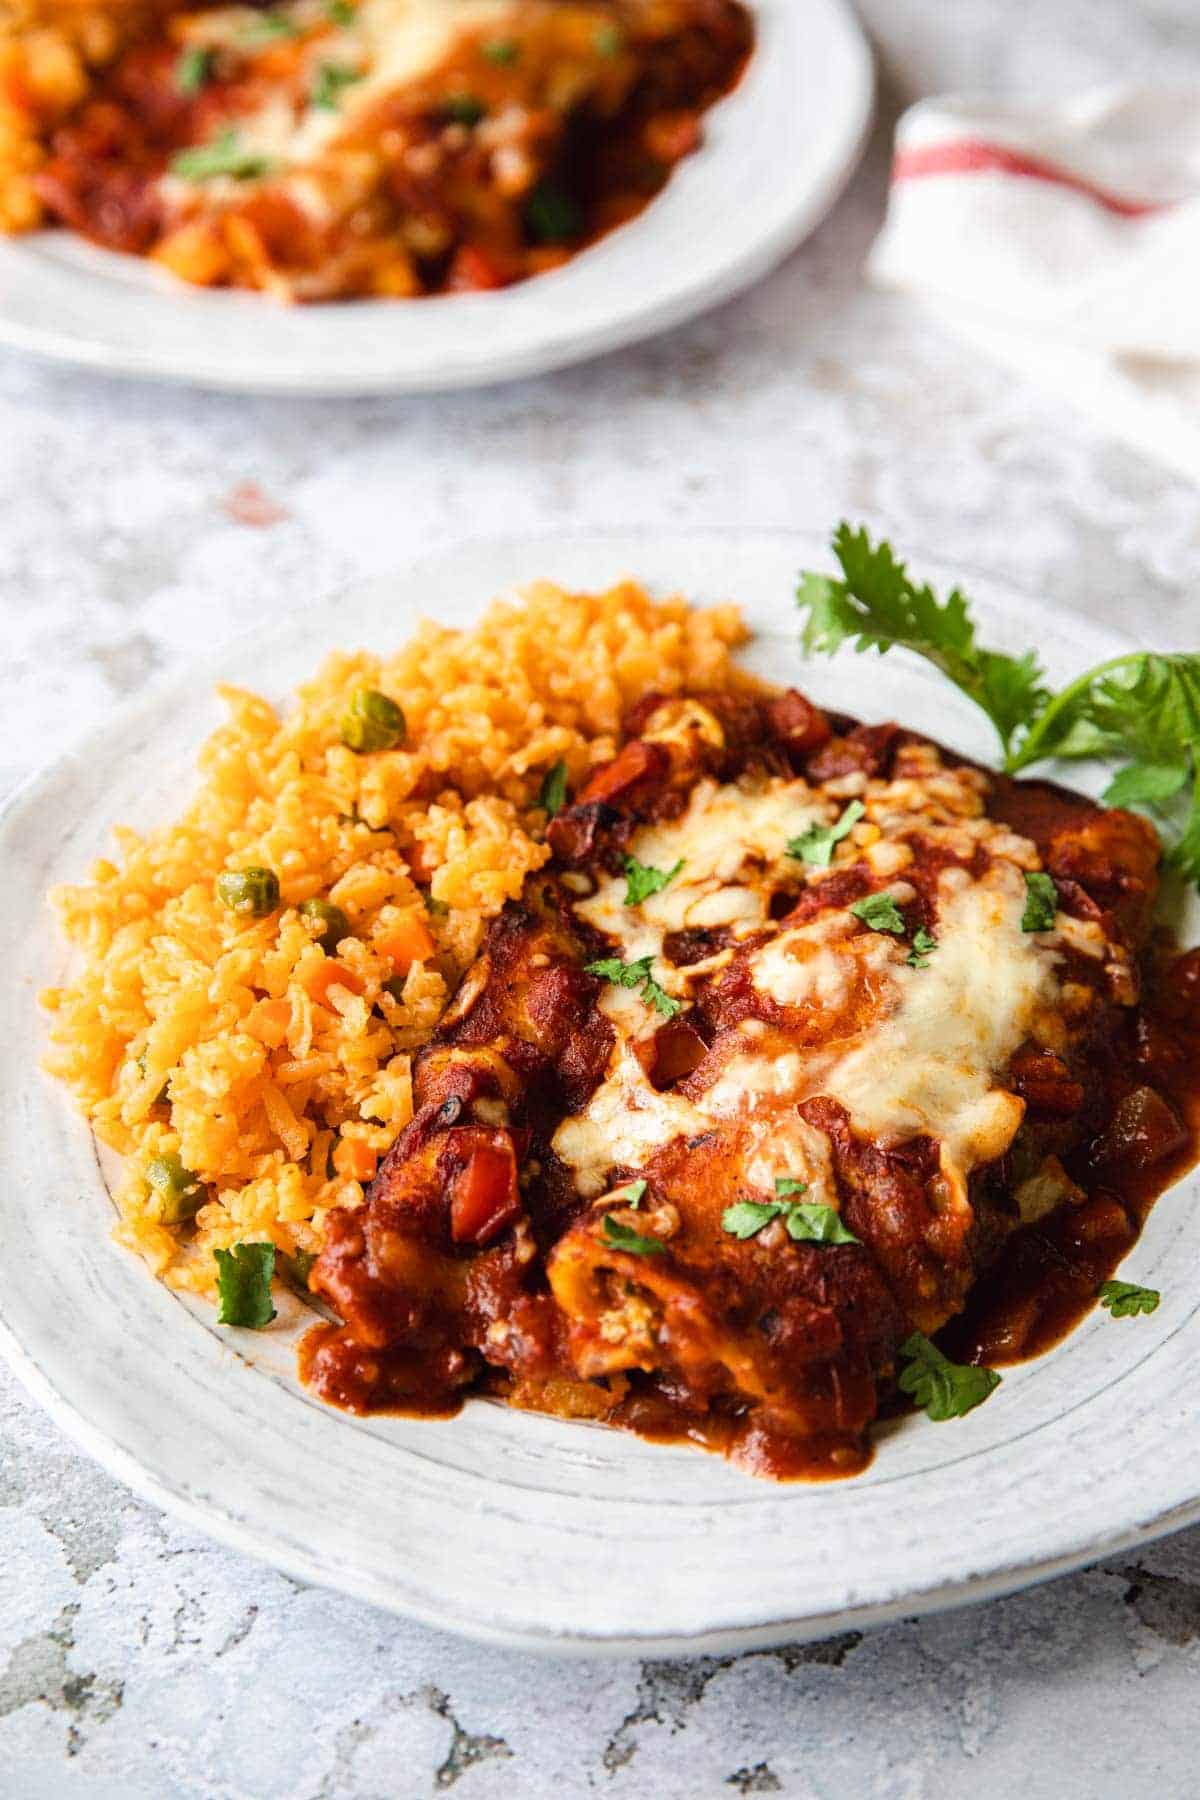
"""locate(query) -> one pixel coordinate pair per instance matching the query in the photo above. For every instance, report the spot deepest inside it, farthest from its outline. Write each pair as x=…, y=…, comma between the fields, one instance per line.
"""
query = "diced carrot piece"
x=331, y=973
x=354, y=1158
x=406, y=942
x=268, y=1022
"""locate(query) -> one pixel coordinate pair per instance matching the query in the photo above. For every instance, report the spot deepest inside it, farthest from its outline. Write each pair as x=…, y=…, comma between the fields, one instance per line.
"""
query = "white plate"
x=505, y=1525
x=777, y=152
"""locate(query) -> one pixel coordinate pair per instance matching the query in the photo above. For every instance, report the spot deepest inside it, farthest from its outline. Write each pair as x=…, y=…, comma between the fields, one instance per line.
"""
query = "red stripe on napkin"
x=972, y=156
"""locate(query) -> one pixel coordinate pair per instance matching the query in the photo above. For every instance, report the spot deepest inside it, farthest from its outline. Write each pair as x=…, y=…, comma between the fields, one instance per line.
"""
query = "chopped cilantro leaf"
x=553, y=794
x=223, y=155
x=880, y=913
x=818, y=843
x=340, y=12
x=923, y=944
x=501, y=52
x=746, y=1218
x=620, y=1237
x=552, y=216
x=944, y=1389
x=660, y=1000
x=1041, y=903
x=630, y=1194
x=1125, y=1299
x=635, y=975
x=328, y=83
x=609, y=40
x=193, y=69
x=811, y=1224
x=244, y=1285
x=622, y=974
x=642, y=880
x=805, y=1223
x=272, y=25
x=784, y=1185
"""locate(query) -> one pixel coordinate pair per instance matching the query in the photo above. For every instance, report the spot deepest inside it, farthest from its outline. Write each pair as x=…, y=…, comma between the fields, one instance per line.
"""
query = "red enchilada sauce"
x=442, y=1295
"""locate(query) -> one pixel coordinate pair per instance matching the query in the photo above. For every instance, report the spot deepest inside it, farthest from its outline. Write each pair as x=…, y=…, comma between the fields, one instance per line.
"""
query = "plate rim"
x=206, y=1514
x=748, y=265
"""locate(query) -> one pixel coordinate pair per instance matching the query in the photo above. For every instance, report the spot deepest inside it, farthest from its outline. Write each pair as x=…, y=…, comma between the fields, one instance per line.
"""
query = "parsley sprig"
x=1142, y=708
x=946, y=1390
x=636, y=975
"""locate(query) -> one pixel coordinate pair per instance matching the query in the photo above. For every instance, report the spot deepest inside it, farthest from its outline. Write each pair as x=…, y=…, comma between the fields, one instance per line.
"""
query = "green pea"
x=463, y=109
x=179, y=1192
x=552, y=215
x=160, y=1099
x=251, y=893
x=297, y=1267
x=372, y=722
x=332, y=920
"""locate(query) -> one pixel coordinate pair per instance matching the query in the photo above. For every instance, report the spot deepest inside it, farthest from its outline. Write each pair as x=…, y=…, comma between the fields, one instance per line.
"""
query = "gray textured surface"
x=138, y=1661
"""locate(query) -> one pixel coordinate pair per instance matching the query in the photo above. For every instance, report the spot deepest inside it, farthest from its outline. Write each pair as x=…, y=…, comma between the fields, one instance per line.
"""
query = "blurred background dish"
x=776, y=152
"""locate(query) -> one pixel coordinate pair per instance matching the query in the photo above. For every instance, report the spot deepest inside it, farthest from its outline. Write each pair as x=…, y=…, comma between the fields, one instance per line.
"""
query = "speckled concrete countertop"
x=140, y=1662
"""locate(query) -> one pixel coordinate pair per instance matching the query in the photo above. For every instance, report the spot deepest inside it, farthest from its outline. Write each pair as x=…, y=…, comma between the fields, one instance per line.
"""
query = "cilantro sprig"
x=636, y=975
x=642, y=879
x=1141, y=709
x=946, y=1390
x=1125, y=1299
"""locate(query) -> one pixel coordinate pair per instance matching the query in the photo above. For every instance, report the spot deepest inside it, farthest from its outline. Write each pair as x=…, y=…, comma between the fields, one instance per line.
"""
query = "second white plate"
x=776, y=154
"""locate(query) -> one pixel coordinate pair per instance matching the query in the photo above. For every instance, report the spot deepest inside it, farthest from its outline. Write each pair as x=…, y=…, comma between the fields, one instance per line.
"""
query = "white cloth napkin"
x=1064, y=239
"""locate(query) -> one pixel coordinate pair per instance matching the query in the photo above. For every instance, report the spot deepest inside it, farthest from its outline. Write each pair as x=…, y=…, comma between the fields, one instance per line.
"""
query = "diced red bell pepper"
x=484, y=1196
x=637, y=764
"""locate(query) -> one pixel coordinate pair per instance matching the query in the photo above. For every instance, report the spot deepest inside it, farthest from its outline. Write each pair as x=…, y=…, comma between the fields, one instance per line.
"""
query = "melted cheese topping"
x=907, y=1051
x=391, y=42
x=732, y=842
